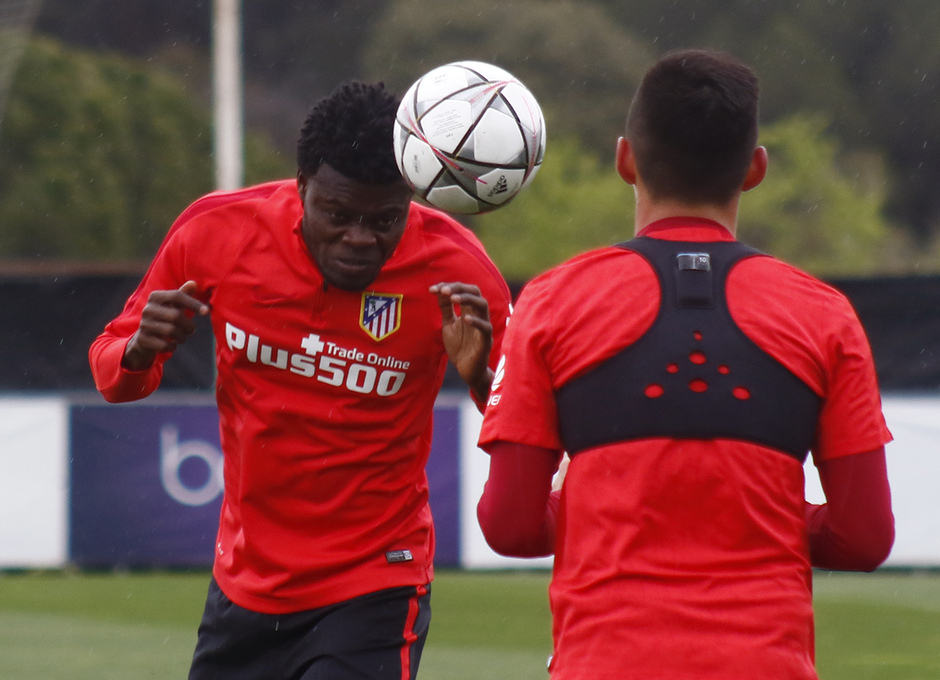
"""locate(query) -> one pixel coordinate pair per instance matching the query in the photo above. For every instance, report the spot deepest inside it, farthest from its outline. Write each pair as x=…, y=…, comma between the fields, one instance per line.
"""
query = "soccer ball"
x=468, y=137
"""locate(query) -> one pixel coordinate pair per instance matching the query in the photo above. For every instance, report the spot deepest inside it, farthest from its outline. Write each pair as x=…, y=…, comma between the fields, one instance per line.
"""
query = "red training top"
x=677, y=558
x=325, y=396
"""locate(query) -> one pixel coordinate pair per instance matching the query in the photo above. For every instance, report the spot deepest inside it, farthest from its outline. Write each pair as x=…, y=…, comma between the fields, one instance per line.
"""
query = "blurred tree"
x=582, y=68
x=297, y=52
x=897, y=67
x=798, y=74
x=816, y=210
x=98, y=155
x=294, y=51
x=574, y=204
x=800, y=49
x=134, y=27
x=872, y=67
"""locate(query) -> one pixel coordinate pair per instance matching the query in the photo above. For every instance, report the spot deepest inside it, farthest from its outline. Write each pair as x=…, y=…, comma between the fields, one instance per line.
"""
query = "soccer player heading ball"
x=687, y=376
x=332, y=299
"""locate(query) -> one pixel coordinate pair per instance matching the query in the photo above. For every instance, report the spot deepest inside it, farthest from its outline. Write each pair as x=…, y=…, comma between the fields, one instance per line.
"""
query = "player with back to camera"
x=334, y=303
x=687, y=376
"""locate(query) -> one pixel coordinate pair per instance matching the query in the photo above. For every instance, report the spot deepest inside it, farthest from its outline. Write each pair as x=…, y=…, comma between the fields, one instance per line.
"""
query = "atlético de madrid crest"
x=380, y=315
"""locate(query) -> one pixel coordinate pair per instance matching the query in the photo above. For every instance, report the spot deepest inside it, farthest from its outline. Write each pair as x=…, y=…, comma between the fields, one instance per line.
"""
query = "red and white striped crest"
x=380, y=315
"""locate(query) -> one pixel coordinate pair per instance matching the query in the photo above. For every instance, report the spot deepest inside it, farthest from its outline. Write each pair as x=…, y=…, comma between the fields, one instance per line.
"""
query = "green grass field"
x=495, y=625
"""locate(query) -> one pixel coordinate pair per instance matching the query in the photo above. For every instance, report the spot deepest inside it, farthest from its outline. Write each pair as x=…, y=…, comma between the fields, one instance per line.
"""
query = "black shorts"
x=378, y=636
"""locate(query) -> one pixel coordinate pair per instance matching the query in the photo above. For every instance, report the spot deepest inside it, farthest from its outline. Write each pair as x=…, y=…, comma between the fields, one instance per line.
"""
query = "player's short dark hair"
x=693, y=126
x=351, y=131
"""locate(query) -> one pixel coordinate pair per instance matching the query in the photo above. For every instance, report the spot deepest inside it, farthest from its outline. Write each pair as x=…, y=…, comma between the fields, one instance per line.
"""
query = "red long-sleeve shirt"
x=852, y=531
x=325, y=396
x=682, y=557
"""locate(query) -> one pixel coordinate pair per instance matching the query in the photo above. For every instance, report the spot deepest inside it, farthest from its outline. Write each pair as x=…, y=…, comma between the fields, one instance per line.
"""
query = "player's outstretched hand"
x=467, y=332
x=165, y=323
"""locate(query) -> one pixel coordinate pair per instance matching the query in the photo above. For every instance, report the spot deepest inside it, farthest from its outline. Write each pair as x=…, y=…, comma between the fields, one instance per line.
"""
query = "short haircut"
x=351, y=131
x=693, y=126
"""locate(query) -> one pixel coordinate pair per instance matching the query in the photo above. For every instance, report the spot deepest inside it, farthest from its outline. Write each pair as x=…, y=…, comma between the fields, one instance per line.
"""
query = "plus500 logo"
x=329, y=363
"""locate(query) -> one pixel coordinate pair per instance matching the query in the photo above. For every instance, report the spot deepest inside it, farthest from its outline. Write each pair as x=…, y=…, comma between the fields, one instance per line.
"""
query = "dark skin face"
x=351, y=228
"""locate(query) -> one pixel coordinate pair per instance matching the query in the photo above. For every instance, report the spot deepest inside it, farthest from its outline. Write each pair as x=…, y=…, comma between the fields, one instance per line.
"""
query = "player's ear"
x=626, y=163
x=301, y=185
x=757, y=170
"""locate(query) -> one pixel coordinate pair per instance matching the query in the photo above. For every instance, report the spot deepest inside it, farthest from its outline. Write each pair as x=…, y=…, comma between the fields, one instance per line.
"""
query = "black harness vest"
x=694, y=374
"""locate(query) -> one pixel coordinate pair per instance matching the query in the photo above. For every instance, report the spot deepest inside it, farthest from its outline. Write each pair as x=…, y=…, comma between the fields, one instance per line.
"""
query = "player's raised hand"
x=467, y=333
x=165, y=323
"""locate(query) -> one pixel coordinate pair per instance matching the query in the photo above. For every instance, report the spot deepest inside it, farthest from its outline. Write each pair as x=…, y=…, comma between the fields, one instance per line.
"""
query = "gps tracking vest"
x=694, y=374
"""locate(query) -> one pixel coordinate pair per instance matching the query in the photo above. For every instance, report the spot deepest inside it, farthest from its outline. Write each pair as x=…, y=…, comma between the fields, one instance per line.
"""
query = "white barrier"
x=33, y=482
x=35, y=485
x=914, y=473
x=474, y=469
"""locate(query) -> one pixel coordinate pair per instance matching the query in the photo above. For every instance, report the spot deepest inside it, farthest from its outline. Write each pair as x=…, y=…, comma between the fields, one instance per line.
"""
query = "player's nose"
x=359, y=235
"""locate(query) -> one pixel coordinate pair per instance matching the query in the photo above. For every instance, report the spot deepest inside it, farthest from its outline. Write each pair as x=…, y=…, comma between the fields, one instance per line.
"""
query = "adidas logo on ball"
x=501, y=187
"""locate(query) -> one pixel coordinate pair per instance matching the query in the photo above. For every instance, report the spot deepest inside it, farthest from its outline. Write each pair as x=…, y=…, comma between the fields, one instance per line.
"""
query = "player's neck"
x=649, y=210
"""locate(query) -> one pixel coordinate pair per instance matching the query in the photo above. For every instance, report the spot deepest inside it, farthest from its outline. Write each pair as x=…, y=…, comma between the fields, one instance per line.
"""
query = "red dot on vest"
x=724, y=370
x=697, y=358
x=698, y=385
x=697, y=335
x=741, y=393
x=672, y=368
x=653, y=391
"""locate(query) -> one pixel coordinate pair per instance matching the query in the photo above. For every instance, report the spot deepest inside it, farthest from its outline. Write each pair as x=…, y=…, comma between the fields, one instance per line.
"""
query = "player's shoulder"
x=774, y=289
x=590, y=282
x=224, y=205
x=608, y=265
x=442, y=229
x=789, y=281
x=449, y=249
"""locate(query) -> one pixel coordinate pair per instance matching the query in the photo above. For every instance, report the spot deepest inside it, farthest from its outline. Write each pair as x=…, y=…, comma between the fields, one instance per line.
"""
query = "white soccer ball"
x=468, y=137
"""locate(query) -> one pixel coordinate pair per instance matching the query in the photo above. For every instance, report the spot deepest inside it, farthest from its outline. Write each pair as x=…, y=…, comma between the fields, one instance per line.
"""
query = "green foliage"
x=574, y=204
x=898, y=90
x=815, y=209
x=812, y=211
x=263, y=162
x=824, y=202
x=872, y=68
x=98, y=155
x=80, y=177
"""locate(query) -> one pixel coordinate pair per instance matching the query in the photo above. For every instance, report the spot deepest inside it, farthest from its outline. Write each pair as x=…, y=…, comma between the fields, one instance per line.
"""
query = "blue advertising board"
x=443, y=470
x=146, y=485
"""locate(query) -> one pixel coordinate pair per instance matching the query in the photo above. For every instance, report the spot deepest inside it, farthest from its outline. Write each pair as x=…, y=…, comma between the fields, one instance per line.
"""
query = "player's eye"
x=339, y=217
x=386, y=222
